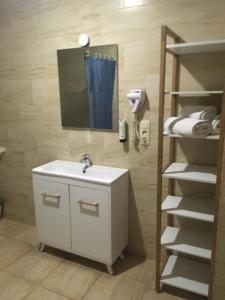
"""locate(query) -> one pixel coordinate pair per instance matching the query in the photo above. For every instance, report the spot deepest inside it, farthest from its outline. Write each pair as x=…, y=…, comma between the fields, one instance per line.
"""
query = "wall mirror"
x=88, y=87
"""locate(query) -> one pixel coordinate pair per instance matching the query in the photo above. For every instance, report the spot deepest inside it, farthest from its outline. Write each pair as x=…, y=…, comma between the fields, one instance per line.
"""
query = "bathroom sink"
x=95, y=173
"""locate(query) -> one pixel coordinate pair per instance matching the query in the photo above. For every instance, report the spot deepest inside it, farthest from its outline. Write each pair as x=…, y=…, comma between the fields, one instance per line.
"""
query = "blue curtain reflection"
x=100, y=76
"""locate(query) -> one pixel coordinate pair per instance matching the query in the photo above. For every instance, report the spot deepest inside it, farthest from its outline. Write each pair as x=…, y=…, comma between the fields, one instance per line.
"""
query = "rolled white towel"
x=192, y=127
x=169, y=123
x=215, y=125
x=199, y=112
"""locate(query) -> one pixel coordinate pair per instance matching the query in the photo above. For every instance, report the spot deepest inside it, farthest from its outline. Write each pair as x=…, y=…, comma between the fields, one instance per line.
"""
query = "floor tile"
x=152, y=282
x=9, y=227
x=34, y=266
x=116, y=288
x=136, y=268
x=13, y=287
x=27, y=235
x=11, y=250
x=151, y=295
x=71, y=280
x=39, y=293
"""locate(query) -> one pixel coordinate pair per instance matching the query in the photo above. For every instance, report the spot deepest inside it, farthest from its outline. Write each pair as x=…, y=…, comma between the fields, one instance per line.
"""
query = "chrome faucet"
x=87, y=161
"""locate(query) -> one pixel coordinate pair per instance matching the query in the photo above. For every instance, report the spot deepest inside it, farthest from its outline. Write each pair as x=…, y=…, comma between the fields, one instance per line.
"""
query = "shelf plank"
x=197, y=208
x=209, y=137
x=197, y=47
x=191, y=172
x=186, y=274
x=184, y=240
x=194, y=93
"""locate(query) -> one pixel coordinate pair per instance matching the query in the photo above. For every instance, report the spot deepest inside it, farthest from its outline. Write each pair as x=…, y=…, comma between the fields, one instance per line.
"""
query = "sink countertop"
x=96, y=174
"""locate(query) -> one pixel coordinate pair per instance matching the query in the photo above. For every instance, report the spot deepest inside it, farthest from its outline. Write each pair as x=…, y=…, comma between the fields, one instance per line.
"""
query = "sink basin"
x=97, y=174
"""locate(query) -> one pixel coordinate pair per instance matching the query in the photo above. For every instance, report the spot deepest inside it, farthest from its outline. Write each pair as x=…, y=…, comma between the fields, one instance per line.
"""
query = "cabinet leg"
x=122, y=256
x=110, y=269
x=41, y=247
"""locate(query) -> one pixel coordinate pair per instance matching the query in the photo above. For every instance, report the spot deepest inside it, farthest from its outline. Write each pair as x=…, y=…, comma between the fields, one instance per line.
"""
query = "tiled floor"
x=26, y=273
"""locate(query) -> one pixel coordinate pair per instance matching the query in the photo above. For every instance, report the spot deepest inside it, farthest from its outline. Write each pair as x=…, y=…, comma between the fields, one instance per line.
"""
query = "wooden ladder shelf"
x=189, y=263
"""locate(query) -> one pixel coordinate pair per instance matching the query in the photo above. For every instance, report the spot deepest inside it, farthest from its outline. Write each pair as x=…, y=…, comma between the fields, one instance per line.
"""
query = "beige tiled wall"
x=30, y=33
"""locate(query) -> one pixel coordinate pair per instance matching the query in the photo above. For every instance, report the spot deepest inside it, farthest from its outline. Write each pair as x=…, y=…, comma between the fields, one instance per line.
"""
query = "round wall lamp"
x=83, y=40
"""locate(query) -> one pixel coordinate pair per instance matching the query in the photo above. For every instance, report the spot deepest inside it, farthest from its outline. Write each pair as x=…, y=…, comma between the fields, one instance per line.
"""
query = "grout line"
x=92, y=286
x=145, y=290
x=16, y=259
x=29, y=292
x=49, y=289
x=53, y=291
x=32, y=282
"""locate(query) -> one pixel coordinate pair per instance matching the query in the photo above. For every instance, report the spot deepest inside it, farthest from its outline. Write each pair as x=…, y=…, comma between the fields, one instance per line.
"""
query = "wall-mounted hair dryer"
x=136, y=99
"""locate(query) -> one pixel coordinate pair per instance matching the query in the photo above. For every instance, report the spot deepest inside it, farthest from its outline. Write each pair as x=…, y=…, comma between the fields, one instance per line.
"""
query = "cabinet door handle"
x=56, y=196
x=82, y=201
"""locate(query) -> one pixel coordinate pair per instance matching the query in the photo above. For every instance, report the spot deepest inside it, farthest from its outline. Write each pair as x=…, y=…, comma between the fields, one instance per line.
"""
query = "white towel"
x=169, y=123
x=215, y=125
x=199, y=112
x=191, y=127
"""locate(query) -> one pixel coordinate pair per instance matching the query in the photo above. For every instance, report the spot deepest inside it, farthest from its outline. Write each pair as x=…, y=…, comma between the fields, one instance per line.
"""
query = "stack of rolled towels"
x=195, y=121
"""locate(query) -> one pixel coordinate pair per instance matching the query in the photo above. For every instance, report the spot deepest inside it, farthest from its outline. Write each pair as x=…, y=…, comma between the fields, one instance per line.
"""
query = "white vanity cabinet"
x=90, y=222
x=87, y=217
x=52, y=212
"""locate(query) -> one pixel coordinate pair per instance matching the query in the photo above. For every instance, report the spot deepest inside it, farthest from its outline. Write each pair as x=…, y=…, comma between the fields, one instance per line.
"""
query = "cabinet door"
x=52, y=213
x=90, y=222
